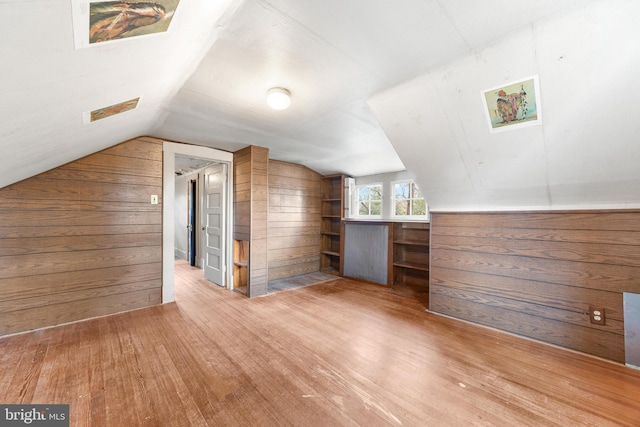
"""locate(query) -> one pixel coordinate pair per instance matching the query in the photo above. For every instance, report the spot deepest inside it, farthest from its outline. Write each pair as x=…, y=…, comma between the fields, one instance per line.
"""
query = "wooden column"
x=251, y=167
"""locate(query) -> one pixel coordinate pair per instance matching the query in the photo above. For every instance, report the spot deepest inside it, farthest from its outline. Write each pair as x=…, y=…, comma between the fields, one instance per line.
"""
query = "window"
x=369, y=200
x=408, y=200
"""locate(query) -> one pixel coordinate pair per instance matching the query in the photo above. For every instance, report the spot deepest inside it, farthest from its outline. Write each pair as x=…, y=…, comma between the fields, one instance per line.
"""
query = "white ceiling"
x=376, y=86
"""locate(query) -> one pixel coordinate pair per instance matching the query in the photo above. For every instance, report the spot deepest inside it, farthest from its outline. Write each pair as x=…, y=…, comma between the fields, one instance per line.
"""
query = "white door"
x=213, y=222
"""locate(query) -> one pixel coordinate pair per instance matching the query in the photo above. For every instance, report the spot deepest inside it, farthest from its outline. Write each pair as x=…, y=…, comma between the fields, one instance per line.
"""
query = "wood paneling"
x=536, y=273
x=82, y=240
x=242, y=194
x=250, y=172
x=293, y=226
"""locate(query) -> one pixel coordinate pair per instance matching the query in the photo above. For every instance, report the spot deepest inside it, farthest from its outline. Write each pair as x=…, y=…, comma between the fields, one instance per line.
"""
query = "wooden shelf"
x=330, y=253
x=411, y=242
x=411, y=265
x=330, y=270
x=240, y=264
x=330, y=233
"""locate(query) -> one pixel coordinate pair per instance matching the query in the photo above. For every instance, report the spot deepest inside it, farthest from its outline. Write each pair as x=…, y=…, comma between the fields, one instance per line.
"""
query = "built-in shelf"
x=331, y=232
x=240, y=264
x=410, y=258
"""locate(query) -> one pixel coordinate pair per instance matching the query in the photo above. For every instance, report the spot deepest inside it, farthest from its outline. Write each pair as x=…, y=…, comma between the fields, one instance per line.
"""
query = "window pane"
x=419, y=207
x=401, y=207
x=418, y=194
x=369, y=200
x=402, y=191
x=363, y=193
x=363, y=209
x=376, y=192
x=376, y=208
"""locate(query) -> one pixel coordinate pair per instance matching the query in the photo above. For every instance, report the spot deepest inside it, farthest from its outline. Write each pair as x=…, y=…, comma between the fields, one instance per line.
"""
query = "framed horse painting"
x=513, y=105
x=97, y=21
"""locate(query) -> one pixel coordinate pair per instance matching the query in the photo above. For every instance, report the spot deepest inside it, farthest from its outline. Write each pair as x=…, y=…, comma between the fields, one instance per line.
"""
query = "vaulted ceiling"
x=376, y=87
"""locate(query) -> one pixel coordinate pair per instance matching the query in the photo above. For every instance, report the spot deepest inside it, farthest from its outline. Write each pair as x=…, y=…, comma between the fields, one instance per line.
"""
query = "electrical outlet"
x=596, y=315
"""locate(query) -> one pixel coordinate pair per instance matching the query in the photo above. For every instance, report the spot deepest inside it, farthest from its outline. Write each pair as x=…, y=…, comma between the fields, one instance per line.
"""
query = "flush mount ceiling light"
x=278, y=98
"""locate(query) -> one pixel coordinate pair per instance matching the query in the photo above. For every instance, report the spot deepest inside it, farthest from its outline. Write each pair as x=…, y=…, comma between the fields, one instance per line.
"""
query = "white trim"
x=535, y=208
x=170, y=150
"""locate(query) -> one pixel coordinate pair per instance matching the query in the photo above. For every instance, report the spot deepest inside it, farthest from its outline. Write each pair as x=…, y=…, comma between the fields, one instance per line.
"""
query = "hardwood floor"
x=337, y=353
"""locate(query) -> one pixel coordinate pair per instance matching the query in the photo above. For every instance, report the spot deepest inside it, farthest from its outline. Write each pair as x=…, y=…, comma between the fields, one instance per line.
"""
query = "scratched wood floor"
x=338, y=353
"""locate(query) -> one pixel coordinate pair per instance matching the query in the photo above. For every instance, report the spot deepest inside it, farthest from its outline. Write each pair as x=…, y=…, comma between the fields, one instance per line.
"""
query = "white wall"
x=181, y=213
x=585, y=154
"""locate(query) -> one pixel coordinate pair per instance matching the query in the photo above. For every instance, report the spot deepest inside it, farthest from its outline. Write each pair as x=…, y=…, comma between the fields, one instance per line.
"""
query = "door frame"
x=170, y=150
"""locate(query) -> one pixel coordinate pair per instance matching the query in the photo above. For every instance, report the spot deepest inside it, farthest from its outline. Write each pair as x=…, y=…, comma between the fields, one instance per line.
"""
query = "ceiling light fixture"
x=278, y=98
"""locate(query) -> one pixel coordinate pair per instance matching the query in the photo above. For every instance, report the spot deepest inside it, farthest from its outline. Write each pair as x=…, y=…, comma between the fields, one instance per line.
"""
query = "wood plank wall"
x=82, y=240
x=293, y=227
x=536, y=273
x=242, y=194
x=251, y=170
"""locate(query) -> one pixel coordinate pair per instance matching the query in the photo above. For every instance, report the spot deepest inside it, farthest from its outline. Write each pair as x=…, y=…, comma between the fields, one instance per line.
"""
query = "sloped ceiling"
x=48, y=84
x=376, y=87
x=584, y=155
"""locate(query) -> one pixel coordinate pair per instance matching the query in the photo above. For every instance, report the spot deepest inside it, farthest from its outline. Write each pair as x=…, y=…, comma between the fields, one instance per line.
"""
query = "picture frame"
x=513, y=105
x=97, y=22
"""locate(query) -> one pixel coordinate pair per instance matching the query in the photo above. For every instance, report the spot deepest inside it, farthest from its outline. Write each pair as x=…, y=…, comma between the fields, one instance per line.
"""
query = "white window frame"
x=393, y=201
x=356, y=200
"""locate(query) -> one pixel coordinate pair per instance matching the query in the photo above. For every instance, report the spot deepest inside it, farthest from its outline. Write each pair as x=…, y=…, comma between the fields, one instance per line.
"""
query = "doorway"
x=223, y=231
x=200, y=212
